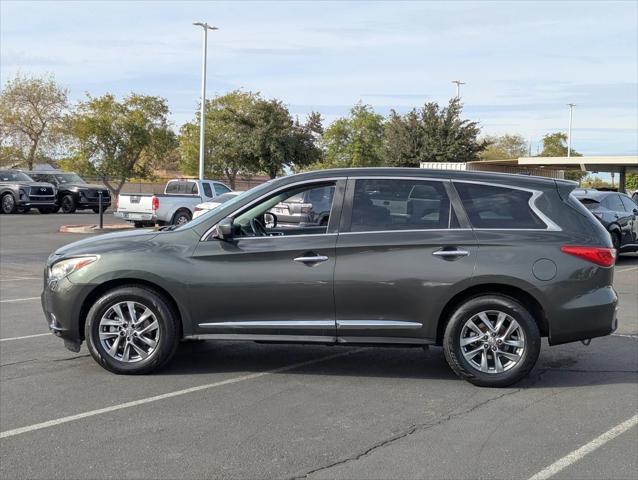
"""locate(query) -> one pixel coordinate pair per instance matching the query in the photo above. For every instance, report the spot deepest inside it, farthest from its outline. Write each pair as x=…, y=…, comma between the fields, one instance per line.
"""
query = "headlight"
x=66, y=267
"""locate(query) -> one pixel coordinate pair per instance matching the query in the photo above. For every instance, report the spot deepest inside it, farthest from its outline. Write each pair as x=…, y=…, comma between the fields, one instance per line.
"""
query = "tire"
x=469, y=368
x=8, y=204
x=68, y=204
x=138, y=224
x=181, y=217
x=144, y=299
x=616, y=240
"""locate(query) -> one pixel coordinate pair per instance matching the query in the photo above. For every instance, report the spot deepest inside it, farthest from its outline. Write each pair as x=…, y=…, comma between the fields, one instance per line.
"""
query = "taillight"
x=605, y=257
x=306, y=209
x=155, y=203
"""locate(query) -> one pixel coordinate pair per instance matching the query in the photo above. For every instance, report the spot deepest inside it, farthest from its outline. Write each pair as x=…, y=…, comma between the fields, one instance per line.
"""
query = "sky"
x=522, y=62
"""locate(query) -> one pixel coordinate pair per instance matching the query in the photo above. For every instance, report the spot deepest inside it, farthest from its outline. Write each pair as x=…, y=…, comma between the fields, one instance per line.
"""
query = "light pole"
x=458, y=87
x=569, y=132
x=202, y=120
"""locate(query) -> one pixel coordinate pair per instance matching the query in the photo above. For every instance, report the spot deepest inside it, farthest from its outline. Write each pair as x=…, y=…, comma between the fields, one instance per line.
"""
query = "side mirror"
x=225, y=229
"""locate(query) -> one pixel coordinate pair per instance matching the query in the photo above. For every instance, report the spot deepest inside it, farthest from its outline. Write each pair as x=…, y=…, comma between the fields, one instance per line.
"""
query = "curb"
x=94, y=228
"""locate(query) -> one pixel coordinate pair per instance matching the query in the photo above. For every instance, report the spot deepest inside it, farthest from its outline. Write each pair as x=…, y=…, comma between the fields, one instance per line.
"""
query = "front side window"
x=388, y=204
x=297, y=211
x=220, y=188
x=488, y=206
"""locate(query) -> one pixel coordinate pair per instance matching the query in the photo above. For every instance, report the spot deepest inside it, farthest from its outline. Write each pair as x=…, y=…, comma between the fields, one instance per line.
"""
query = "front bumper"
x=62, y=303
x=591, y=315
x=36, y=203
x=93, y=202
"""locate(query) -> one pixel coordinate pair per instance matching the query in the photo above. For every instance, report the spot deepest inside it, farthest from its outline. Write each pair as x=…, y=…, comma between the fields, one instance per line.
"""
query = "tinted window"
x=221, y=188
x=590, y=203
x=628, y=203
x=613, y=202
x=172, y=187
x=207, y=191
x=386, y=204
x=497, y=207
x=14, y=176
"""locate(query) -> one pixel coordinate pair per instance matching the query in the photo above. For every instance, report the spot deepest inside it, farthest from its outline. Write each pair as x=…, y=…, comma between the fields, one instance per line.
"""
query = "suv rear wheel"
x=131, y=330
x=492, y=341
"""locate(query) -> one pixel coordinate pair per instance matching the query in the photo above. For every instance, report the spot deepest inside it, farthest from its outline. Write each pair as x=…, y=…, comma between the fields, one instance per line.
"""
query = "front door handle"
x=311, y=259
x=451, y=253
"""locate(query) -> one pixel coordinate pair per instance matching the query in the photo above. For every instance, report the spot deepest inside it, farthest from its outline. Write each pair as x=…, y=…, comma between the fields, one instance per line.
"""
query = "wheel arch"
x=180, y=209
x=517, y=293
x=102, y=288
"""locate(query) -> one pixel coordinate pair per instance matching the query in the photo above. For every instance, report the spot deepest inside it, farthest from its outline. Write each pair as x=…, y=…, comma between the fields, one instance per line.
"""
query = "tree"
x=31, y=112
x=354, y=141
x=504, y=147
x=555, y=145
x=117, y=140
x=432, y=134
x=228, y=141
x=631, y=181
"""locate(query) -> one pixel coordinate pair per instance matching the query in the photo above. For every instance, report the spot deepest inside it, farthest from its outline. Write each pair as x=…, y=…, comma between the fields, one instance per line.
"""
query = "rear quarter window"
x=489, y=206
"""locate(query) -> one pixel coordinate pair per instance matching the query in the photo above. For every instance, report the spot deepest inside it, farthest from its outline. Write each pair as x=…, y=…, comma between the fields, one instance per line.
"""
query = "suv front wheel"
x=492, y=341
x=131, y=330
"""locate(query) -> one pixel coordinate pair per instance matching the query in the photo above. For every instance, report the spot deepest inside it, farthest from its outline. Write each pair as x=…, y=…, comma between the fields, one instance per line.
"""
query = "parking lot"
x=245, y=410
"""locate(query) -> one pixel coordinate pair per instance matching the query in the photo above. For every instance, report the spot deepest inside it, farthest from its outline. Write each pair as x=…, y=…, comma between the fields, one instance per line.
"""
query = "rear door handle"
x=451, y=253
x=311, y=259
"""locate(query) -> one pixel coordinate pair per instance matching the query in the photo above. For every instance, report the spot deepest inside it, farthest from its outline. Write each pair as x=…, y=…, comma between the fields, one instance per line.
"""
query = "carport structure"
x=616, y=164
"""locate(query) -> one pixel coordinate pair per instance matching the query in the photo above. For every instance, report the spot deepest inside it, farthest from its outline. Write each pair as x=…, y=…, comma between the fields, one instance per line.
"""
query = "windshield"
x=63, y=178
x=12, y=176
x=233, y=201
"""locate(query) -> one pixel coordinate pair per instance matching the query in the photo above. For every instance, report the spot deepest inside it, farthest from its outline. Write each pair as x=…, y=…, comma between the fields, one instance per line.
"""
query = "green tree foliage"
x=631, y=181
x=555, y=145
x=117, y=140
x=248, y=134
x=432, y=134
x=354, y=141
x=31, y=112
x=504, y=147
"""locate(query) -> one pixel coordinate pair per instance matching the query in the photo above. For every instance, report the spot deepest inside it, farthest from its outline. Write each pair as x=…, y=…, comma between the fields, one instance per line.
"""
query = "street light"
x=569, y=132
x=458, y=87
x=202, y=121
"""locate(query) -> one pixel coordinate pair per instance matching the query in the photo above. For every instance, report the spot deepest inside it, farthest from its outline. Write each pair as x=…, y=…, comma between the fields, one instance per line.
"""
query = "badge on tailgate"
x=135, y=199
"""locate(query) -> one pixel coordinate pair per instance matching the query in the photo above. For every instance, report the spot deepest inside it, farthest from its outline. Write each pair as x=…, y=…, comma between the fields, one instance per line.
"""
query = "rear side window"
x=488, y=206
x=629, y=204
x=387, y=205
x=207, y=190
x=172, y=187
x=613, y=202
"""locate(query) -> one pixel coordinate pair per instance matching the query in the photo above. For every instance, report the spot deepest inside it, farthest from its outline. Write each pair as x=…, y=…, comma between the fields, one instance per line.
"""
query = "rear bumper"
x=593, y=314
x=136, y=217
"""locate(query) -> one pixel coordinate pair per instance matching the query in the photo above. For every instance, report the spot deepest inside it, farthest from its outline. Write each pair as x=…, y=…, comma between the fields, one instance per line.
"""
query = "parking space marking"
x=177, y=393
x=23, y=337
x=20, y=299
x=19, y=279
x=623, y=270
x=586, y=449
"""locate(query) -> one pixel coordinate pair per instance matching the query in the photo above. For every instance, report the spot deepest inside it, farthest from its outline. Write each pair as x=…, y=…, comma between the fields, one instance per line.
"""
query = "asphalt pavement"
x=245, y=410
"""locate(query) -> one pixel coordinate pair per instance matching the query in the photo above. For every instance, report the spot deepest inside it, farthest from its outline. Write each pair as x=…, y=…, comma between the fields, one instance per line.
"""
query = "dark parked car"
x=20, y=193
x=617, y=212
x=73, y=192
x=482, y=264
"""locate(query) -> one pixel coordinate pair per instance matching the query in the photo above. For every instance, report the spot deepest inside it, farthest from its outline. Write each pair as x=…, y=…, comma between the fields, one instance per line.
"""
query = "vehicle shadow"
x=627, y=260
x=608, y=361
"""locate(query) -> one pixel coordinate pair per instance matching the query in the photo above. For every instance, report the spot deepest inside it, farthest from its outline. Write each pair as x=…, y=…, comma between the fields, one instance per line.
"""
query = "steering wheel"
x=258, y=228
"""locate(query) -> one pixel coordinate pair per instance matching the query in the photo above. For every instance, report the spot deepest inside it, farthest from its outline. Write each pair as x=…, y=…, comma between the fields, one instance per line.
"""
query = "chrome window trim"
x=270, y=237
x=549, y=224
x=376, y=324
x=415, y=230
x=242, y=209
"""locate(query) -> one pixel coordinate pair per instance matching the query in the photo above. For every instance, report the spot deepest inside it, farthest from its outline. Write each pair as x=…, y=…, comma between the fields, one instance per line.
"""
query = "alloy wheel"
x=129, y=332
x=492, y=341
x=8, y=204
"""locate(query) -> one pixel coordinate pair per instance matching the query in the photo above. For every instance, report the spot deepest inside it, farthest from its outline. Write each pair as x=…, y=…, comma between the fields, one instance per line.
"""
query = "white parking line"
x=576, y=455
x=28, y=299
x=19, y=279
x=23, y=337
x=177, y=393
x=623, y=270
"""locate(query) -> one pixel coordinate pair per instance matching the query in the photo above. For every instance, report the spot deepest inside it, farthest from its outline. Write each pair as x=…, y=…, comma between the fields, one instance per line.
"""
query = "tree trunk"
x=231, y=176
x=31, y=157
x=115, y=190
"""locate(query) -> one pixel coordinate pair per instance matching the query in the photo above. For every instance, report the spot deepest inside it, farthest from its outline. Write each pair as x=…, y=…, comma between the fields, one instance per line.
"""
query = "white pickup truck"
x=174, y=207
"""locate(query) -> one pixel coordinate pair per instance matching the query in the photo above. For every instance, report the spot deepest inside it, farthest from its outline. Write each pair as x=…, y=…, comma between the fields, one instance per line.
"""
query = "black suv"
x=482, y=264
x=617, y=212
x=73, y=192
x=19, y=193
